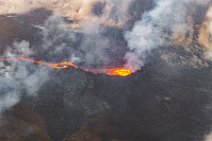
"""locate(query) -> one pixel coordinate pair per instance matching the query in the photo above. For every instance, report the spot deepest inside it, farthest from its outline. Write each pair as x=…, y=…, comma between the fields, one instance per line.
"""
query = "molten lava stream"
x=66, y=64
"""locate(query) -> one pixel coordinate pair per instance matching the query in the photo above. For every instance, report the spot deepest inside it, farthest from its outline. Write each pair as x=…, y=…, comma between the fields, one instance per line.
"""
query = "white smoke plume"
x=17, y=78
x=157, y=27
x=109, y=12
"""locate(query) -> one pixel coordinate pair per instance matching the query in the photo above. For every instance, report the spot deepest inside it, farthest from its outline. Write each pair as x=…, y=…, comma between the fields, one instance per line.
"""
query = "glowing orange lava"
x=66, y=64
x=112, y=71
x=118, y=71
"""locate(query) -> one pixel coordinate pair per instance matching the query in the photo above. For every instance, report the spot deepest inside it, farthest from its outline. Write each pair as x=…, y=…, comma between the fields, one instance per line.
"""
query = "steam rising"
x=156, y=28
x=17, y=78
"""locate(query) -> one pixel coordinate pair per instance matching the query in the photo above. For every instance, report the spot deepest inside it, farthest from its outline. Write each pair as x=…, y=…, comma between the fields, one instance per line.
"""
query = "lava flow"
x=66, y=64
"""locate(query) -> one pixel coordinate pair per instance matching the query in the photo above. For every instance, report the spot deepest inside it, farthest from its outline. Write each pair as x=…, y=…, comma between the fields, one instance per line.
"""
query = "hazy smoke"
x=17, y=78
x=157, y=27
x=86, y=46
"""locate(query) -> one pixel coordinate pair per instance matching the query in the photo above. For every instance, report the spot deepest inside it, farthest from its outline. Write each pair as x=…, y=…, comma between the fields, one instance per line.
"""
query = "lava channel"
x=65, y=64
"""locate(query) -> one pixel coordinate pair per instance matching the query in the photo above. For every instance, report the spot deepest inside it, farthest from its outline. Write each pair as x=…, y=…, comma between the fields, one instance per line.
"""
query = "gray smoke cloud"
x=158, y=27
x=17, y=78
x=87, y=45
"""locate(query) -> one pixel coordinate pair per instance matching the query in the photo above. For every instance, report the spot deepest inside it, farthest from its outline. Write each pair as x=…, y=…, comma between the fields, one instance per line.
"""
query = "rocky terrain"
x=163, y=101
